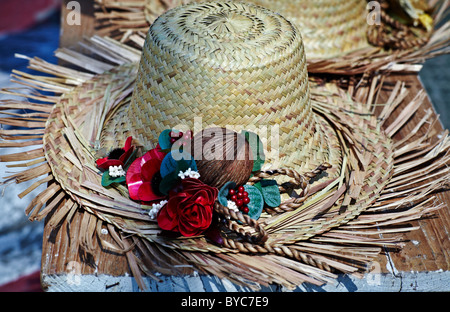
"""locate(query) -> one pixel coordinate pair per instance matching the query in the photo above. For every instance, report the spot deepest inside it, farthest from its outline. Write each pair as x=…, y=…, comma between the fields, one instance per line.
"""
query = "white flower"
x=232, y=206
x=116, y=171
x=189, y=174
x=156, y=208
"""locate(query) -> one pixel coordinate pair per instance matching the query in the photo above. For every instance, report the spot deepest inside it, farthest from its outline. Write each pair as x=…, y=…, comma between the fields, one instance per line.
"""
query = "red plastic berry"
x=239, y=202
x=241, y=189
x=245, y=194
x=231, y=192
x=240, y=195
x=234, y=197
x=246, y=200
x=246, y=210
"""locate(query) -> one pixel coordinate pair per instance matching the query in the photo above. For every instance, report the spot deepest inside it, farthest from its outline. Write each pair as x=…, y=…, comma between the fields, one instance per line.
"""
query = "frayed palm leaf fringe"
x=415, y=169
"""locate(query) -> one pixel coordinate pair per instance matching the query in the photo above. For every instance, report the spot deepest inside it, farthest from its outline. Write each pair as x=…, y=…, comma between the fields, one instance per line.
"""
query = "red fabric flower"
x=117, y=157
x=189, y=211
x=141, y=176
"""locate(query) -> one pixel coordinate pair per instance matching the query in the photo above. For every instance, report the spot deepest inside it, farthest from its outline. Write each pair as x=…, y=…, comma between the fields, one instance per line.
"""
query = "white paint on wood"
x=402, y=282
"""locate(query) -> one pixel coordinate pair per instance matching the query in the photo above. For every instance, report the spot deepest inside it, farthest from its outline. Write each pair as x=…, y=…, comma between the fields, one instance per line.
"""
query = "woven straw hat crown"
x=233, y=65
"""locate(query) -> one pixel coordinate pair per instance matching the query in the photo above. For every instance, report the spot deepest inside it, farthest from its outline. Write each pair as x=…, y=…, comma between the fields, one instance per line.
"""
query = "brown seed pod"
x=222, y=155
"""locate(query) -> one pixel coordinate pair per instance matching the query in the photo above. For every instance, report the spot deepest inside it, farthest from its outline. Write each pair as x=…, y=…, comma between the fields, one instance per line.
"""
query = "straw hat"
x=234, y=65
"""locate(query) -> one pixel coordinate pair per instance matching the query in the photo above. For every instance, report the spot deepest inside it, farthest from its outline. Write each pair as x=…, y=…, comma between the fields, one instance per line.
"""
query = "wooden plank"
x=77, y=21
x=63, y=255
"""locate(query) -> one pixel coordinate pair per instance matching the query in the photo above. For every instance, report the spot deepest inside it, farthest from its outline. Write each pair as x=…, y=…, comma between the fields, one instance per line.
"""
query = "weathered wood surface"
x=423, y=264
x=428, y=248
x=76, y=21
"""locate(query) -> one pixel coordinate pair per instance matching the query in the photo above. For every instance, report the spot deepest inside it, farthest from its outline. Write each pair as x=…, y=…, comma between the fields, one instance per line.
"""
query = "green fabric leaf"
x=183, y=165
x=107, y=180
x=169, y=165
x=256, y=204
x=171, y=179
x=257, y=147
x=164, y=139
x=130, y=160
x=223, y=193
x=270, y=192
x=169, y=182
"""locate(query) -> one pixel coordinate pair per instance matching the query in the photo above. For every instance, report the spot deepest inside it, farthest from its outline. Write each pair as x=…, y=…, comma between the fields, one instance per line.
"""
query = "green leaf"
x=169, y=182
x=171, y=179
x=223, y=193
x=167, y=150
x=107, y=180
x=257, y=148
x=256, y=204
x=183, y=165
x=130, y=159
x=169, y=165
x=164, y=139
x=270, y=191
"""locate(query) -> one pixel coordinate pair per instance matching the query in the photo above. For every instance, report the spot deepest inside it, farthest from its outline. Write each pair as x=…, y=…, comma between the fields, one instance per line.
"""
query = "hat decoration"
x=344, y=37
x=284, y=211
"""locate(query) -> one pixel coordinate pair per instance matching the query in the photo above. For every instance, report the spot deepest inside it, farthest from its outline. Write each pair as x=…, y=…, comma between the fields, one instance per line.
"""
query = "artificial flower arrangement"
x=182, y=201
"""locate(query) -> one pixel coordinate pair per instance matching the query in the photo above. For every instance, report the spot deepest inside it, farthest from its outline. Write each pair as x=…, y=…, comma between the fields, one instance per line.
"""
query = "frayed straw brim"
x=128, y=21
x=334, y=228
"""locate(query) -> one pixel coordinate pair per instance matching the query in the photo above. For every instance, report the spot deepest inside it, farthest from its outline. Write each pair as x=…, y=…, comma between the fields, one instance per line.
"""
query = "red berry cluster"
x=240, y=197
x=174, y=137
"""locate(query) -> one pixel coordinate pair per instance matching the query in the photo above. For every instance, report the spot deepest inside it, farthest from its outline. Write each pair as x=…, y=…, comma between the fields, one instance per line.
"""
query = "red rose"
x=189, y=211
